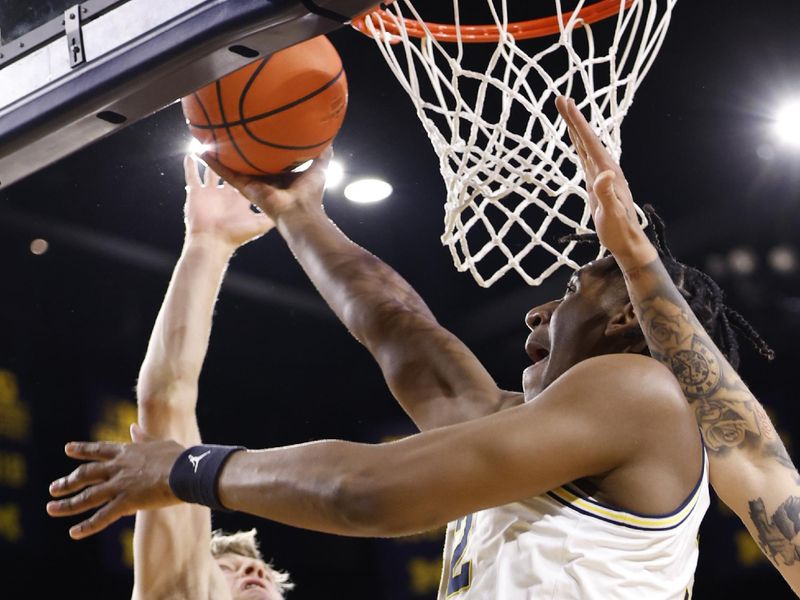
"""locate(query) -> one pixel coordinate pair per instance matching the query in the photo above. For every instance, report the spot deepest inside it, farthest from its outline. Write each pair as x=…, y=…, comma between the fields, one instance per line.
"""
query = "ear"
x=624, y=323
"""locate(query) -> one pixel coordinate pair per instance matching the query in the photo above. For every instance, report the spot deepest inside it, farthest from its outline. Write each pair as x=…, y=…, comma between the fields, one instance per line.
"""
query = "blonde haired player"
x=175, y=554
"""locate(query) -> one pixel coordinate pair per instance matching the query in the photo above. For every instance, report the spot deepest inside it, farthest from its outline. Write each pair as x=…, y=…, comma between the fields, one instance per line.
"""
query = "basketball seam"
x=243, y=121
x=274, y=111
x=208, y=118
x=228, y=129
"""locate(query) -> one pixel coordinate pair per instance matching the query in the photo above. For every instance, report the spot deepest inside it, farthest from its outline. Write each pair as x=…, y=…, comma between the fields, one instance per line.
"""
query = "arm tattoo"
x=728, y=414
x=775, y=534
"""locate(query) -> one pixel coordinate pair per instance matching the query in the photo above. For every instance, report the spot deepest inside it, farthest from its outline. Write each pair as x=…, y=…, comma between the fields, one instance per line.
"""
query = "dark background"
x=75, y=320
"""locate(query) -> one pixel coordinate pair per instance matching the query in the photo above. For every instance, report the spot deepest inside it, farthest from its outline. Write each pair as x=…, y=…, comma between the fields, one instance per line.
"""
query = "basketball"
x=275, y=113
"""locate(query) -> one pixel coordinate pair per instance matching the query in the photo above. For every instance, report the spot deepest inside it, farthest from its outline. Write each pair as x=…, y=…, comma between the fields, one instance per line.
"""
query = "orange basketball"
x=275, y=113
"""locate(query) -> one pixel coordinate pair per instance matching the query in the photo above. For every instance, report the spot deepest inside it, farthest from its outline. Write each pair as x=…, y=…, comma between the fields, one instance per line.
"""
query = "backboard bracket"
x=73, y=29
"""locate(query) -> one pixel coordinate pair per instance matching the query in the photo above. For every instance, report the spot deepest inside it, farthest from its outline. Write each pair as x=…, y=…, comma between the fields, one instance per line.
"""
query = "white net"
x=514, y=183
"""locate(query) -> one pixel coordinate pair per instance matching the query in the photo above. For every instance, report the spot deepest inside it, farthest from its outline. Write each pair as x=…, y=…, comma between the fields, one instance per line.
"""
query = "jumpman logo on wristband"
x=195, y=460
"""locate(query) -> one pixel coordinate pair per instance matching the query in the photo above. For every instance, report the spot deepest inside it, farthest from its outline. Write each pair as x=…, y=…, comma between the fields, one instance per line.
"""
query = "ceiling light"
x=787, y=123
x=39, y=246
x=742, y=261
x=365, y=191
x=782, y=259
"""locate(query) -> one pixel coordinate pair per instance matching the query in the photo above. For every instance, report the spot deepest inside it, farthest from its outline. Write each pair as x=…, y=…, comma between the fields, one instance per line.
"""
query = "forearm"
x=772, y=517
x=433, y=375
x=730, y=417
x=375, y=490
x=331, y=486
x=750, y=467
x=179, y=340
x=360, y=288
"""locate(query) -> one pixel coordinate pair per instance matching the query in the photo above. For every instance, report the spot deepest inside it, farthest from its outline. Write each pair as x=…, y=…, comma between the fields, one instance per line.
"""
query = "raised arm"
x=171, y=545
x=750, y=468
x=433, y=375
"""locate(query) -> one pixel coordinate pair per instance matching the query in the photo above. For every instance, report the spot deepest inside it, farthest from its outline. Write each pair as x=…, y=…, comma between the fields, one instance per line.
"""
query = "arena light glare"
x=367, y=191
x=39, y=246
x=195, y=146
x=782, y=259
x=334, y=174
x=742, y=261
x=787, y=123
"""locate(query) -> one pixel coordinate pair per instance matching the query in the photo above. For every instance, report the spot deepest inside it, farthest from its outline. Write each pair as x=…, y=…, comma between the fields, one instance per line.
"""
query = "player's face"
x=574, y=327
x=249, y=578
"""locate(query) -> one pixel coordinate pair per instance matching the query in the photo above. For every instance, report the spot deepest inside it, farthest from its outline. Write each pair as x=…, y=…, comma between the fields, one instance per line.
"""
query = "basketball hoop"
x=514, y=183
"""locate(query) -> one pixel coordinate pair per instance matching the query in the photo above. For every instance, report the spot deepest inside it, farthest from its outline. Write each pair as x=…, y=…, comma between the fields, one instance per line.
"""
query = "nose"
x=254, y=568
x=540, y=315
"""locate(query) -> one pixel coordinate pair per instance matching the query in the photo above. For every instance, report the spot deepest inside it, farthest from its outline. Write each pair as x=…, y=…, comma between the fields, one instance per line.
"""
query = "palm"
x=613, y=223
x=220, y=210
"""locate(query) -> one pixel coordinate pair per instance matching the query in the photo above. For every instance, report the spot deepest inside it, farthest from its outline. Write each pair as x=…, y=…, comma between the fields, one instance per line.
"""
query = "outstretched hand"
x=275, y=194
x=610, y=198
x=120, y=479
x=219, y=211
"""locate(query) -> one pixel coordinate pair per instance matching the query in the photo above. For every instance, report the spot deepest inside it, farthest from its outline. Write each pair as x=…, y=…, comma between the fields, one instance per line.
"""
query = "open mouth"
x=537, y=351
x=251, y=583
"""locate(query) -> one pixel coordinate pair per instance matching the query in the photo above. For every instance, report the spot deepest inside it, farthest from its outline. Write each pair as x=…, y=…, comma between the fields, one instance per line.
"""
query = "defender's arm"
x=171, y=545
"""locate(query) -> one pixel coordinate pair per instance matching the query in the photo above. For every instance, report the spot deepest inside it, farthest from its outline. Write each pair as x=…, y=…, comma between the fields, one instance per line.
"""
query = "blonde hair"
x=244, y=543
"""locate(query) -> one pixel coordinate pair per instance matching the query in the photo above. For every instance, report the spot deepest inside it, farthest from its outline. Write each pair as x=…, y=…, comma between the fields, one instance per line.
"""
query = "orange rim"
x=476, y=34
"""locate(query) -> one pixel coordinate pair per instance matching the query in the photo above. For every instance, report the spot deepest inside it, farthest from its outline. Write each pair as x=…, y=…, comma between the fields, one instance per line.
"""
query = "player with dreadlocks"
x=588, y=484
x=703, y=295
x=682, y=314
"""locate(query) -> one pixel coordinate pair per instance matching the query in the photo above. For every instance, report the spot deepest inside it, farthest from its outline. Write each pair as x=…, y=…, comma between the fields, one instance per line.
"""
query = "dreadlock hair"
x=701, y=292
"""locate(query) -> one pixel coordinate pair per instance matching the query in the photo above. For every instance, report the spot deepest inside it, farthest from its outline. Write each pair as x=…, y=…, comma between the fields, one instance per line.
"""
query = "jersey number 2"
x=460, y=573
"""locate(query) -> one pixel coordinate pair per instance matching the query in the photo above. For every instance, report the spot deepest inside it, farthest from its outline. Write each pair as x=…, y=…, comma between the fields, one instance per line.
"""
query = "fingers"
x=210, y=177
x=562, y=105
x=589, y=166
x=101, y=519
x=327, y=155
x=315, y=176
x=91, y=497
x=85, y=475
x=92, y=450
x=237, y=180
x=592, y=145
x=190, y=172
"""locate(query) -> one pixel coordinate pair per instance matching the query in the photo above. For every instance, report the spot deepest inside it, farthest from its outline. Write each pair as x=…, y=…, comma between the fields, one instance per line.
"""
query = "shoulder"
x=633, y=385
x=633, y=376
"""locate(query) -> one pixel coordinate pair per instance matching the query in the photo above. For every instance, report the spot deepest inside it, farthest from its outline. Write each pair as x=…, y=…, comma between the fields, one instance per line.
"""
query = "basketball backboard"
x=70, y=78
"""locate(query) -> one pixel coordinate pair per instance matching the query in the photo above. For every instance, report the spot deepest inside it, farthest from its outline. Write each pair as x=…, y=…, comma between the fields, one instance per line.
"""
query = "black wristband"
x=195, y=474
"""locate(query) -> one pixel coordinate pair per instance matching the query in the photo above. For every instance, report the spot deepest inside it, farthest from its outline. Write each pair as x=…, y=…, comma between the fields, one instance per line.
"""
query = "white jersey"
x=565, y=545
